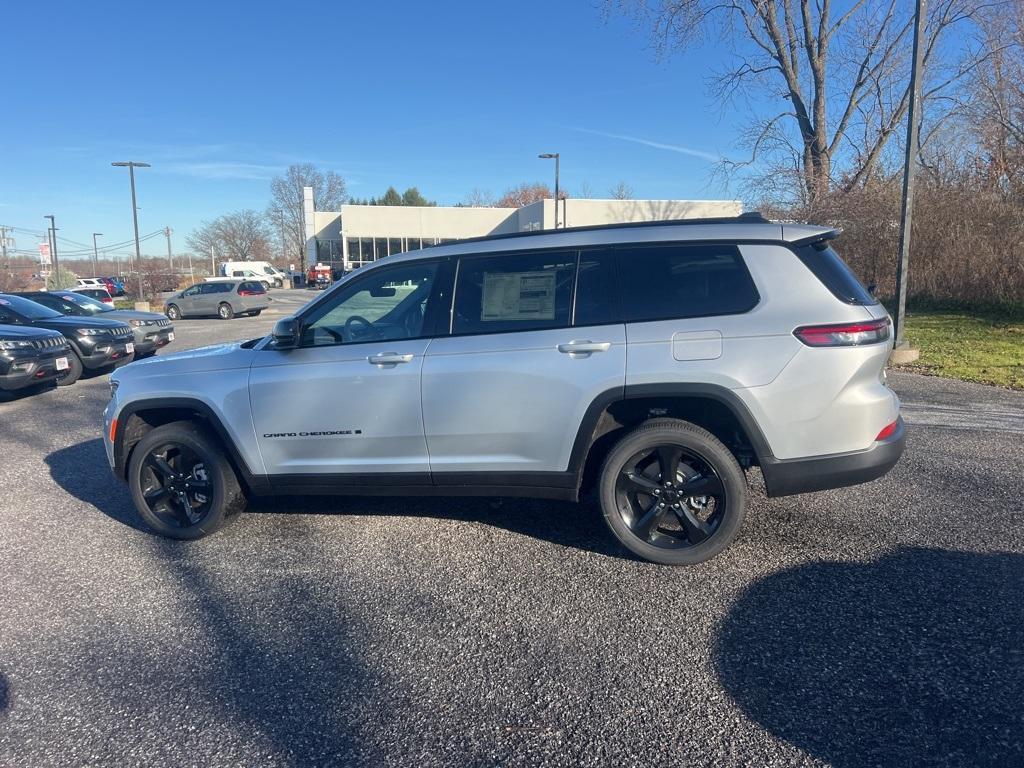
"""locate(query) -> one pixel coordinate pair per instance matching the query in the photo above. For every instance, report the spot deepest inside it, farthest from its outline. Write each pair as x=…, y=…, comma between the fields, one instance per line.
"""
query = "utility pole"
x=3, y=244
x=131, y=165
x=213, y=263
x=95, y=254
x=53, y=247
x=170, y=259
x=909, y=168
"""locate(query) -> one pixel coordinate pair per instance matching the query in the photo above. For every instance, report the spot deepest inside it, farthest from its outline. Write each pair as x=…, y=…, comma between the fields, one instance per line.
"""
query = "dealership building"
x=358, y=234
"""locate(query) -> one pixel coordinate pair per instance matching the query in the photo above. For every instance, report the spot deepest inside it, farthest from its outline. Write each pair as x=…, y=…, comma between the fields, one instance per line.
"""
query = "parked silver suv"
x=652, y=363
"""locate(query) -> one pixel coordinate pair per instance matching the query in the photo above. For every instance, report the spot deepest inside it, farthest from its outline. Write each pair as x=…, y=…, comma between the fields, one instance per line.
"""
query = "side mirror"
x=872, y=288
x=286, y=333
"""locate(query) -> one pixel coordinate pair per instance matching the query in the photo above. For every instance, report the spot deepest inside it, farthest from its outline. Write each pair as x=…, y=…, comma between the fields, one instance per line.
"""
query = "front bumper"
x=151, y=338
x=25, y=371
x=786, y=477
x=105, y=352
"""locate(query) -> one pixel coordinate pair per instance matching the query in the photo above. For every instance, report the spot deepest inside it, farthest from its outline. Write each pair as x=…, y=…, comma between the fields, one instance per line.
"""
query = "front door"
x=347, y=401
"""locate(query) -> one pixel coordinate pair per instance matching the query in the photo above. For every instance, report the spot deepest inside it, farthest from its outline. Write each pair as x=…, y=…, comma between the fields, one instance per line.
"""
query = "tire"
x=662, y=523
x=173, y=313
x=224, y=311
x=75, y=370
x=211, y=481
x=278, y=284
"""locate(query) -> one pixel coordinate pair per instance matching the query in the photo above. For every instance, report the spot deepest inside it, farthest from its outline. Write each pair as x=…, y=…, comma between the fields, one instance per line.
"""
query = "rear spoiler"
x=818, y=238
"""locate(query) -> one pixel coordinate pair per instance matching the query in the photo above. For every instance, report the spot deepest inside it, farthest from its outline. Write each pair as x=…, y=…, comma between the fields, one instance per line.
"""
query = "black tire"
x=224, y=311
x=662, y=523
x=74, y=372
x=210, y=482
x=278, y=284
x=173, y=313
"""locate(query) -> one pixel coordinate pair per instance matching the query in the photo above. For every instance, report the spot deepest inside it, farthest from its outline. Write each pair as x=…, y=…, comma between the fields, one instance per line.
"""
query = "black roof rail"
x=751, y=217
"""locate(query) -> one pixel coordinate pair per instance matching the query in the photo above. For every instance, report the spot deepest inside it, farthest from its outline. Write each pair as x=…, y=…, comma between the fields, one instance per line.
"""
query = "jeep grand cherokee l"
x=31, y=356
x=96, y=344
x=653, y=363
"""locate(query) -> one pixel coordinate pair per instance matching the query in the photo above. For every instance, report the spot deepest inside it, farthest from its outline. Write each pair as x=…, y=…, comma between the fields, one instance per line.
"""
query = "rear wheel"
x=182, y=484
x=74, y=372
x=173, y=312
x=672, y=493
x=225, y=312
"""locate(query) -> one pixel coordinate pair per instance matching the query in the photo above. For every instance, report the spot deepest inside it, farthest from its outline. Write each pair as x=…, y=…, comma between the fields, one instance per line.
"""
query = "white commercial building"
x=359, y=234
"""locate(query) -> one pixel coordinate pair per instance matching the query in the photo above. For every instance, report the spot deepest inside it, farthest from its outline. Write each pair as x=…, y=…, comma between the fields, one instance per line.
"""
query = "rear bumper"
x=790, y=476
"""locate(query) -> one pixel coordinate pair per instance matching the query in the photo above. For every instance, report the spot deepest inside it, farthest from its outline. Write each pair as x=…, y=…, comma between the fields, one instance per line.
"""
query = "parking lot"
x=877, y=625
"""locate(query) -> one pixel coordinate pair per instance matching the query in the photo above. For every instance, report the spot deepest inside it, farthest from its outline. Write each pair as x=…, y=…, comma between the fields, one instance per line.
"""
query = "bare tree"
x=839, y=66
x=585, y=191
x=240, y=236
x=285, y=210
x=524, y=194
x=479, y=198
x=621, y=191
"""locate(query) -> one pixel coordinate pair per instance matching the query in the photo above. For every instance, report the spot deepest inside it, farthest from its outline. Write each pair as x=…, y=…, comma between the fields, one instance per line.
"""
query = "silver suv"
x=652, y=364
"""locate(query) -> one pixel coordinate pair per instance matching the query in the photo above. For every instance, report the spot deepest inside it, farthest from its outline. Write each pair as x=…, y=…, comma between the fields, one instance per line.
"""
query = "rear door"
x=531, y=345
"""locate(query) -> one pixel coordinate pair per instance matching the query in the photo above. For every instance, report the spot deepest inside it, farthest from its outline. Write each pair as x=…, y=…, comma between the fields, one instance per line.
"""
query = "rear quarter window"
x=253, y=286
x=834, y=274
x=671, y=281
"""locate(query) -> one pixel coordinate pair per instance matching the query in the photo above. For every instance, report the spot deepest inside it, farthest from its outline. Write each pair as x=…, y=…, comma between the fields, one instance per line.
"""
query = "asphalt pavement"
x=877, y=625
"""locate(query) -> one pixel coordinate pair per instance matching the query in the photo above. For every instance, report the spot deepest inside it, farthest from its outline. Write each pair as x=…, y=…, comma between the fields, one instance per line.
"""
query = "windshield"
x=28, y=309
x=269, y=271
x=78, y=304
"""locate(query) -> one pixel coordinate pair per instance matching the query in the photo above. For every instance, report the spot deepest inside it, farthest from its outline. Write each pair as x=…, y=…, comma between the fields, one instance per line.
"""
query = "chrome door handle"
x=584, y=347
x=388, y=358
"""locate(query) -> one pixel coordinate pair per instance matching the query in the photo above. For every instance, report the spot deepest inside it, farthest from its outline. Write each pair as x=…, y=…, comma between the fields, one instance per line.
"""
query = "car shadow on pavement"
x=916, y=658
x=81, y=470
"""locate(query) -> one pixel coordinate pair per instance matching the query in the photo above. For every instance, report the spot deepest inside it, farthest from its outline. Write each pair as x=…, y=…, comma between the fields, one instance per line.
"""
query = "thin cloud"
x=222, y=170
x=655, y=144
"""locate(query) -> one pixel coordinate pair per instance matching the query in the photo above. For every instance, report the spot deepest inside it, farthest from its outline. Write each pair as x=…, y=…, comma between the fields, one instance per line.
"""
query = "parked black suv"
x=95, y=343
x=31, y=356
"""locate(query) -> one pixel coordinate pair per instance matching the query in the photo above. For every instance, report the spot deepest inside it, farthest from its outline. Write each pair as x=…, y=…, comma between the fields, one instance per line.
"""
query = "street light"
x=53, y=247
x=553, y=156
x=95, y=253
x=131, y=165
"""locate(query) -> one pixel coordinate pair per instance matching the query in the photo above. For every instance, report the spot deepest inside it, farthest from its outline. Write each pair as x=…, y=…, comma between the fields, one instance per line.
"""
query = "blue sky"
x=446, y=96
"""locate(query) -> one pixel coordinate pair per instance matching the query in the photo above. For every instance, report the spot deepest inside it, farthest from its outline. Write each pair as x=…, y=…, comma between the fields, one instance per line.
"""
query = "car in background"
x=150, y=329
x=31, y=356
x=218, y=297
x=101, y=295
x=263, y=271
x=90, y=282
x=115, y=285
x=97, y=344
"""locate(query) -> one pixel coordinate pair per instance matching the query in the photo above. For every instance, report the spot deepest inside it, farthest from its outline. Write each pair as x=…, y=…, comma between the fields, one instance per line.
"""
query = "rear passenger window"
x=514, y=292
x=664, y=282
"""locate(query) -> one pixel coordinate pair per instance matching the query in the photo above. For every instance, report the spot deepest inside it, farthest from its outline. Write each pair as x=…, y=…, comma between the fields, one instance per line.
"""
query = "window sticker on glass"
x=518, y=296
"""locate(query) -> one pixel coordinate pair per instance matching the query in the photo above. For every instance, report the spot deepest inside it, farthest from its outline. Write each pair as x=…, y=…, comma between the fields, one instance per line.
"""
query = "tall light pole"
x=553, y=156
x=170, y=259
x=909, y=167
x=131, y=165
x=95, y=253
x=53, y=246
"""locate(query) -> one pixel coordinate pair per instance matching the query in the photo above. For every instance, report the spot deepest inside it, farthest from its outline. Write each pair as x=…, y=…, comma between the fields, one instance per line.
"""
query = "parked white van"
x=263, y=271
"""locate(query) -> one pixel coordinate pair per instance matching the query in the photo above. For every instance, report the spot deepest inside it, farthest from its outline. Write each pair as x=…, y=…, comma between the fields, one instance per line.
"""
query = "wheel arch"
x=713, y=407
x=136, y=419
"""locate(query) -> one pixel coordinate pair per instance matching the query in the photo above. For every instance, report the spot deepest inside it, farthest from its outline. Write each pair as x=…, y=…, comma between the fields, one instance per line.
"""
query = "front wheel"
x=182, y=484
x=672, y=493
x=74, y=372
x=225, y=312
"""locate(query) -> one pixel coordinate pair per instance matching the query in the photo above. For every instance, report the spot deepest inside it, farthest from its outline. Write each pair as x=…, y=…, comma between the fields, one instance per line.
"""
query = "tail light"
x=888, y=430
x=844, y=334
x=248, y=293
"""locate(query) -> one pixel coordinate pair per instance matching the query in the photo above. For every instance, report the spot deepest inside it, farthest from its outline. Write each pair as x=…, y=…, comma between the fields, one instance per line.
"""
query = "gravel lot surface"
x=878, y=625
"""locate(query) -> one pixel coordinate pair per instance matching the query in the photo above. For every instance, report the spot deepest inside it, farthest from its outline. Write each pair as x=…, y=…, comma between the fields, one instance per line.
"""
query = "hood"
x=70, y=322
x=124, y=315
x=13, y=332
x=218, y=357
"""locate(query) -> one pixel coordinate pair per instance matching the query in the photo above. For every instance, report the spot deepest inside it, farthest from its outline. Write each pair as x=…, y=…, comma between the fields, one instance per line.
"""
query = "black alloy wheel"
x=176, y=485
x=672, y=493
x=669, y=497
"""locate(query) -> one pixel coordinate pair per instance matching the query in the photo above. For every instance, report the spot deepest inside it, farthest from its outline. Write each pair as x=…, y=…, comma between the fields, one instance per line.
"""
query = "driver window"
x=391, y=304
x=191, y=291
